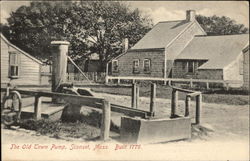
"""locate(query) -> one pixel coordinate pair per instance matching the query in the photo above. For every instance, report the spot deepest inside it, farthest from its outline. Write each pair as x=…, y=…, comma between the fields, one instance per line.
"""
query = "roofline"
x=23, y=52
x=184, y=31
x=246, y=48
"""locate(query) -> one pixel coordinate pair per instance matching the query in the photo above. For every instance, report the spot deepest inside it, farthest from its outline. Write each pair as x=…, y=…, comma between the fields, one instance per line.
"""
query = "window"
x=184, y=64
x=115, y=66
x=190, y=66
x=13, y=68
x=146, y=65
x=136, y=66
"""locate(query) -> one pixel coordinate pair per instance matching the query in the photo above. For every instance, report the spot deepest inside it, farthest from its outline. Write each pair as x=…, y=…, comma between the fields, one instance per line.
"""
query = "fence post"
x=106, y=79
x=174, y=103
x=133, y=101
x=137, y=96
x=105, y=127
x=152, y=98
x=95, y=76
x=191, y=83
x=198, y=108
x=207, y=85
x=38, y=107
x=187, y=103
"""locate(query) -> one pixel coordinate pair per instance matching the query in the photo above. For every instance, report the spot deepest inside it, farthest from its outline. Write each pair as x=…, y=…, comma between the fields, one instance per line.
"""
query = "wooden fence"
x=95, y=77
x=170, y=81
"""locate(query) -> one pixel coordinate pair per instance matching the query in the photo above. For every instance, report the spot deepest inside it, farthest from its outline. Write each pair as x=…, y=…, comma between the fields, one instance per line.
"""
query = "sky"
x=168, y=10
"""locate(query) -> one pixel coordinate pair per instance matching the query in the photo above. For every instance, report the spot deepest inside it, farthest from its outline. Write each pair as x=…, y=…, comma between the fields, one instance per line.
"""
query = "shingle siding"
x=179, y=44
x=180, y=69
x=212, y=74
x=125, y=67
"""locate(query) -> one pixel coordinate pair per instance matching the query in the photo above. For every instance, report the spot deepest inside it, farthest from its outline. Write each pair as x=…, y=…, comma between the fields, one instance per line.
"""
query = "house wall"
x=29, y=70
x=246, y=60
x=173, y=50
x=125, y=67
x=180, y=68
x=213, y=74
x=232, y=71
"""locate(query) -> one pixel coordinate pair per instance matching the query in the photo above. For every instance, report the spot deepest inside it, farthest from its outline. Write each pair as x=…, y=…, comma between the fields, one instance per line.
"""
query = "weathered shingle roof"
x=161, y=34
x=220, y=51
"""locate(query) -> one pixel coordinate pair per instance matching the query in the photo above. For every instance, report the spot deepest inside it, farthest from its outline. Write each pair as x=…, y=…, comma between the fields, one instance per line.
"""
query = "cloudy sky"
x=168, y=10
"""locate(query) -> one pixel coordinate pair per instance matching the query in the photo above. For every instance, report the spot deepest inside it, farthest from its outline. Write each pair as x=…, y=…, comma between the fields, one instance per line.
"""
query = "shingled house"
x=182, y=49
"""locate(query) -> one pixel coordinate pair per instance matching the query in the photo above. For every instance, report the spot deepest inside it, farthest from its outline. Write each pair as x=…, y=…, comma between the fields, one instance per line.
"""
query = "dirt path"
x=229, y=141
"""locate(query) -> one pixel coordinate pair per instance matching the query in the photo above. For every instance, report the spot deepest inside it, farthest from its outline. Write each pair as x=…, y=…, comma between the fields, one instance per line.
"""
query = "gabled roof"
x=21, y=51
x=220, y=51
x=161, y=34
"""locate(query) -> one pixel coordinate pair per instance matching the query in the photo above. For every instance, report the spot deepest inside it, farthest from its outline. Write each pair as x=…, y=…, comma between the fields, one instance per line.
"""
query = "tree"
x=220, y=25
x=33, y=27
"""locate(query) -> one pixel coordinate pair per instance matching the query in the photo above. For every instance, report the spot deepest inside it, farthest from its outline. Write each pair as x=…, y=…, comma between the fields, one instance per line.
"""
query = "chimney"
x=124, y=45
x=190, y=15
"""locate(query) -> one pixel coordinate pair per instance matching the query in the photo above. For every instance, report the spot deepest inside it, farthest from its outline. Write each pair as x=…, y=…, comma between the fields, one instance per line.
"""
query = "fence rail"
x=76, y=77
x=226, y=83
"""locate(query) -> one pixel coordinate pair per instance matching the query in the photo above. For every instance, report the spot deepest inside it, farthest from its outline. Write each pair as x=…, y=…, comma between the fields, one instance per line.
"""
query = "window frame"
x=149, y=70
x=136, y=69
x=188, y=67
x=15, y=64
x=117, y=65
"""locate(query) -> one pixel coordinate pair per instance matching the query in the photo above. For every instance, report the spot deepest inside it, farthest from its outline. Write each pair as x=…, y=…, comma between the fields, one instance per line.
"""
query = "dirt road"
x=229, y=141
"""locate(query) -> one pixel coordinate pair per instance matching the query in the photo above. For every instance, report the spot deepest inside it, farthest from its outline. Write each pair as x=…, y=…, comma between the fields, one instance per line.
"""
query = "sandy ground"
x=229, y=141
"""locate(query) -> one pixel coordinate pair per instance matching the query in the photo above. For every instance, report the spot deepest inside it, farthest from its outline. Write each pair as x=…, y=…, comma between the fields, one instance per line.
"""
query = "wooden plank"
x=152, y=98
x=183, y=90
x=174, y=103
x=198, y=108
x=173, y=79
x=194, y=94
x=133, y=96
x=73, y=99
x=187, y=106
x=106, y=115
x=137, y=96
x=38, y=107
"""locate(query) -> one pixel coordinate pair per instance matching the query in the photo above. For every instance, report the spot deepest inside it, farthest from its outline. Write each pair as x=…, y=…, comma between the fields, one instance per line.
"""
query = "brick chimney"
x=124, y=45
x=190, y=15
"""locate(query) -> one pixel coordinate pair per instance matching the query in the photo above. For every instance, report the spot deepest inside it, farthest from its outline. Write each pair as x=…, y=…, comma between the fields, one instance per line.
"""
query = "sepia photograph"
x=124, y=80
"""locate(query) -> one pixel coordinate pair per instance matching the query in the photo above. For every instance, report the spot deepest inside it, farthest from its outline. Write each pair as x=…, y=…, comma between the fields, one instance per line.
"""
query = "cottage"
x=182, y=49
x=154, y=54
x=18, y=66
x=212, y=57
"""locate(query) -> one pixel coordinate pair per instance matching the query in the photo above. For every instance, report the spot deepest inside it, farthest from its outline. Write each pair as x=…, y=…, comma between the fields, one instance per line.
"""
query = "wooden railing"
x=226, y=83
x=189, y=95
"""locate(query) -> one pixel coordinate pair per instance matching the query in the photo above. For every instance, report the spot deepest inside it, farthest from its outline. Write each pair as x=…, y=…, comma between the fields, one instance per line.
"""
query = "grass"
x=230, y=97
x=87, y=126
